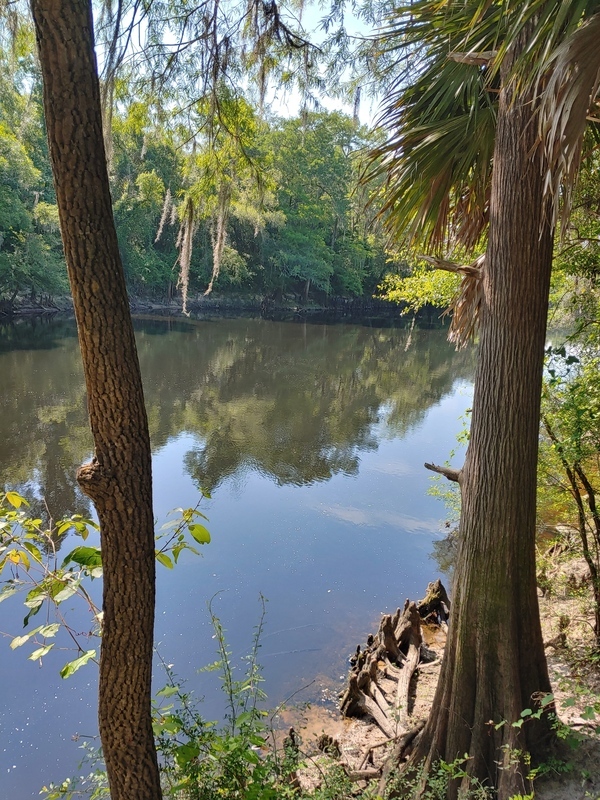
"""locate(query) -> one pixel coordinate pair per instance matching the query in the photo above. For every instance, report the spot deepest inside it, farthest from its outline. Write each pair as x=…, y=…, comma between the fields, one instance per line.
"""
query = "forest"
x=167, y=173
x=239, y=201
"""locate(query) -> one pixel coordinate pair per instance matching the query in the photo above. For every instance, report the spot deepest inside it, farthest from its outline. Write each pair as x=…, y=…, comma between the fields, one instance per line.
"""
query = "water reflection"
x=44, y=431
x=313, y=440
x=294, y=402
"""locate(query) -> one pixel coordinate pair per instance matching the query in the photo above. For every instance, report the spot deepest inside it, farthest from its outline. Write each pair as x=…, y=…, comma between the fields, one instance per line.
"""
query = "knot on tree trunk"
x=94, y=480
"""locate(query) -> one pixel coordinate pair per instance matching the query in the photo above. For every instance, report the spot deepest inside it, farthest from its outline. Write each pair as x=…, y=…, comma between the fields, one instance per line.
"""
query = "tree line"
x=256, y=204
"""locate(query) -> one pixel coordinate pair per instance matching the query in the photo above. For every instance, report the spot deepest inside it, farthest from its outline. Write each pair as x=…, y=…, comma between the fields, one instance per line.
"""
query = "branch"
x=363, y=774
x=473, y=269
x=477, y=59
x=447, y=472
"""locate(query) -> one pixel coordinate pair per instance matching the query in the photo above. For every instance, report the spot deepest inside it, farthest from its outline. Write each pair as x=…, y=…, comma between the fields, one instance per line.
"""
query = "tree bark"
x=118, y=480
x=494, y=663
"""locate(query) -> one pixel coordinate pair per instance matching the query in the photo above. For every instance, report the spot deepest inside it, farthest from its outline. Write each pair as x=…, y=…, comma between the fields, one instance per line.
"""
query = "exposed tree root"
x=380, y=679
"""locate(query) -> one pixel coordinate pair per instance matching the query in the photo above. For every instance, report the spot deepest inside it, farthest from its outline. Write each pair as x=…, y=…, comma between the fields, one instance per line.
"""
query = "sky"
x=289, y=103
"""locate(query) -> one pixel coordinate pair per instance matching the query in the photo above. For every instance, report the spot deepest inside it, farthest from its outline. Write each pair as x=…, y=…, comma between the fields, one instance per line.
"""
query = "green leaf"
x=72, y=666
x=85, y=556
x=167, y=691
x=527, y=712
x=177, y=550
x=588, y=713
x=189, y=513
x=546, y=700
x=250, y=756
x=79, y=524
x=171, y=725
x=49, y=630
x=40, y=652
x=216, y=665
x=35, y=597
x=65, y=593
x=16, y=500
x=199, y=533
x=35, y=551
x=164, y=559
x=186, y=753
x=180, y=786
x=32, y=613
x=20, y=640
x=7, y=591
x=63, y=526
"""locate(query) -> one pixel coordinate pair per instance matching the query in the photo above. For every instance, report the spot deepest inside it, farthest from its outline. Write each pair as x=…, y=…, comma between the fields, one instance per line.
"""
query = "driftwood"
x=400, y=751
x=380, y=678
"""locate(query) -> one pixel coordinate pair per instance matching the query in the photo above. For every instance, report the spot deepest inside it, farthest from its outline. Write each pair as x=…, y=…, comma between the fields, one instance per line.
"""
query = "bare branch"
x=447, y=472
x=473, y=269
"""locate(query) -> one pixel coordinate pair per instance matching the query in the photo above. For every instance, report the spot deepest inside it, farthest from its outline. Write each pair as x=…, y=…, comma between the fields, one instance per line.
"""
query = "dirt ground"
x=574, y=771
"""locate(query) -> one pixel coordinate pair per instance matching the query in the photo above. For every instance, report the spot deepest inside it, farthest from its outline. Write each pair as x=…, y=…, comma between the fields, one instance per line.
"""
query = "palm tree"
x=479, y=145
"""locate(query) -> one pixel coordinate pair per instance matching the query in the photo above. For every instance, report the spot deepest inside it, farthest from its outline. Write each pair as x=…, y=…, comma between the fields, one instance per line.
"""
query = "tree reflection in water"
x=296, y=402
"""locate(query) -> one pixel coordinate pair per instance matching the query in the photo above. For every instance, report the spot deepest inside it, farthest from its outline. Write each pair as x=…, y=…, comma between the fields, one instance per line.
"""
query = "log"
x=447, y=472
x=363, y=774
x=411, y=664
x=379, y=698
x=409, y=621
x=387, y=725
x=391, y=671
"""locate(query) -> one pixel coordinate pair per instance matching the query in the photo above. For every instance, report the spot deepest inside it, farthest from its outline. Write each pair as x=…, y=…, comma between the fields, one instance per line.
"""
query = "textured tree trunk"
x=495, y=664
x=118, y=480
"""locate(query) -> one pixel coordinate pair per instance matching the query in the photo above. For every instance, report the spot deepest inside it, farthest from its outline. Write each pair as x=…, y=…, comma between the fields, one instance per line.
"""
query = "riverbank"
x=572, y=771
x=284, y=308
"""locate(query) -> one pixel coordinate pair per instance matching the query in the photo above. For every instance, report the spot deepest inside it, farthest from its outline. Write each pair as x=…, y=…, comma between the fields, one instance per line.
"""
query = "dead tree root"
x=382, y=676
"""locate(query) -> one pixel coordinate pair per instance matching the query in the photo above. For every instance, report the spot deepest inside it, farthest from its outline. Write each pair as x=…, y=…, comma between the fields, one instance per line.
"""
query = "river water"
x=311, y=440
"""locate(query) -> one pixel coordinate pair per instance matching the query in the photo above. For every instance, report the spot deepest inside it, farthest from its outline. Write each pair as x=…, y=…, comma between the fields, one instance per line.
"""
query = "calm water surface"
x=311, y=440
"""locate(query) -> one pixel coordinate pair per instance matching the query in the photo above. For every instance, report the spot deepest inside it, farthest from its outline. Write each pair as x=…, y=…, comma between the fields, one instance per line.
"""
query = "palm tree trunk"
x=495, y=665
x=118, y=479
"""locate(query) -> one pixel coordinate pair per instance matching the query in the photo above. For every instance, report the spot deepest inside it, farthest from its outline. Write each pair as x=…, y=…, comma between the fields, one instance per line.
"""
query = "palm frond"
x=571, y=90
x=466, y=305
x=437, y=157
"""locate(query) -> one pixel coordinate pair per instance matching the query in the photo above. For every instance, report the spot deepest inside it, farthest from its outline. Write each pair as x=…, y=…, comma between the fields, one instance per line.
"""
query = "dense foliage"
x=249, y=203
x=30, y=250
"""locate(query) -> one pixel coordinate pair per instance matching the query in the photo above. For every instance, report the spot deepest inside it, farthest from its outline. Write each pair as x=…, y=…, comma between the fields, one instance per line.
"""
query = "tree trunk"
x=118, y=479
x=494, y=665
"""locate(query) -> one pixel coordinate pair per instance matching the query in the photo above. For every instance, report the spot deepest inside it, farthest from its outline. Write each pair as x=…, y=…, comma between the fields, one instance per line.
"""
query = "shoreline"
x=572, y=771
x=380, y=313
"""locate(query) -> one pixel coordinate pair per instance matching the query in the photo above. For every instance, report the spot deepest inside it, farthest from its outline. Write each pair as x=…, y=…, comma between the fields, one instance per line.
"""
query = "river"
x=311, y=441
